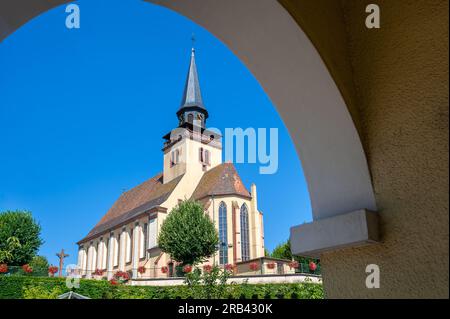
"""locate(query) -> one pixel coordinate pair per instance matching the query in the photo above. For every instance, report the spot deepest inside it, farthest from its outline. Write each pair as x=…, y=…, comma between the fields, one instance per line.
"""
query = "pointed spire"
x=192, y=95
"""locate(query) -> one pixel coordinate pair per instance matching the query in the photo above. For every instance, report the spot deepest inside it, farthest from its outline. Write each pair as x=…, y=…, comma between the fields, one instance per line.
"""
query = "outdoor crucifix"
x=61, y=255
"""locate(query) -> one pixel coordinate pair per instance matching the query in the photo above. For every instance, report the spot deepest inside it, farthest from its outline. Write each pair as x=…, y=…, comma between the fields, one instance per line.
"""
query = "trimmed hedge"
x=13, y=287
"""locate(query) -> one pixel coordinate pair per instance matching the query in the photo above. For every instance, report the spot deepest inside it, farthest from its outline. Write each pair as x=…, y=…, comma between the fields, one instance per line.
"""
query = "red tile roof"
x=134, y=202
x=220, y=180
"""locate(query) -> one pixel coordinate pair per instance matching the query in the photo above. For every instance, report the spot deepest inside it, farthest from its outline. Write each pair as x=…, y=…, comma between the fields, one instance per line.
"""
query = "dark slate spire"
x=192, y=103
x=192, y=95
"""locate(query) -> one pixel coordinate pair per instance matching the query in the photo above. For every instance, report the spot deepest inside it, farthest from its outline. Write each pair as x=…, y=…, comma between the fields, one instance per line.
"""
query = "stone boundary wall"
x=255, y=279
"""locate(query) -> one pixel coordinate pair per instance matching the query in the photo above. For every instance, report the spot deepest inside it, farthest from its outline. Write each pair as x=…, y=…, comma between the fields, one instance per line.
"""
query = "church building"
x=125, y=238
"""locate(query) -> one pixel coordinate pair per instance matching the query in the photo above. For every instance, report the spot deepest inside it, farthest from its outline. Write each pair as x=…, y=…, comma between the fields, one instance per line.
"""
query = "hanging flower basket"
x=121, y=276
x=52, y=270
x=271, y=265
x=187, y=269
x=293, y=264
x=253, y=266
x=229, y=267
x=141, y=270
x=312, y=266
x=27, y=269
x=99, y=272
x=207, y=268
x=164, y=269
x=3, y=268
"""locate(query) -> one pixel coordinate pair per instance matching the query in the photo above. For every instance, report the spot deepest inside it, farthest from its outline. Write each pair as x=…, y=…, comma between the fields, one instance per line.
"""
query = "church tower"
x=190, y=149
x=192, y=112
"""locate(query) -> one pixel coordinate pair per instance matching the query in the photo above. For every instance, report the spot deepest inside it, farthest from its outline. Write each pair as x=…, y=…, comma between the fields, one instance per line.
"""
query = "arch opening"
x=286, y=64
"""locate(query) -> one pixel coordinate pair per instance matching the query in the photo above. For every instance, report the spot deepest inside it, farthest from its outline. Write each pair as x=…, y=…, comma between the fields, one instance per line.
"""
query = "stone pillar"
x=89, y=262
x=122, y=248
x=94, y=257
x=82, y=260
x=135, y=252
x=128, y=246
x=100, y=251
x=109, y=262
x=255, y=226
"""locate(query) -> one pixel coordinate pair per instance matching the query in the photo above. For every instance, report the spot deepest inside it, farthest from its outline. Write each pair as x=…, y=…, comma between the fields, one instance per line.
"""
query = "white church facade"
x=125, y=239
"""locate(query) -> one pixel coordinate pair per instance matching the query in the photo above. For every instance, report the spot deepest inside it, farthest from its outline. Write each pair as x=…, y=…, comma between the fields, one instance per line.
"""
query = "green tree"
x=187, y=234
x=6, y=253
x=39, y=262
x=22, y=226
x=283, y=251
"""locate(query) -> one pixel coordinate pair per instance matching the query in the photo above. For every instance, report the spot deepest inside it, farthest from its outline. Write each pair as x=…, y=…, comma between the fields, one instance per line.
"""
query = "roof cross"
x=193, y=41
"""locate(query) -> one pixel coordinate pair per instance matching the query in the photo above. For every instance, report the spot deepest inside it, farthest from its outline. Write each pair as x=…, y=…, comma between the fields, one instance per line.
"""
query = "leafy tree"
x=6, y=253
x=187, y=234
x=283, y=251
x=22, y=226
x=39, y=262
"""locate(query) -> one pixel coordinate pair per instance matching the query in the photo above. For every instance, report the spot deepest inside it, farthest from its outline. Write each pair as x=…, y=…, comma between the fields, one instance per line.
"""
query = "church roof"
x=134, y=202
x=220, y=180
x=192, y=96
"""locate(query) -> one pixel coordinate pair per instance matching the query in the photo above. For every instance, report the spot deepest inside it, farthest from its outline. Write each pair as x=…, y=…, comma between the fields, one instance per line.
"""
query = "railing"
x=304, y=269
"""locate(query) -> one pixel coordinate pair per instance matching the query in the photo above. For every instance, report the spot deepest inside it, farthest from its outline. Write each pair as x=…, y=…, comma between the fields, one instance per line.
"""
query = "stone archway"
x=263, y=35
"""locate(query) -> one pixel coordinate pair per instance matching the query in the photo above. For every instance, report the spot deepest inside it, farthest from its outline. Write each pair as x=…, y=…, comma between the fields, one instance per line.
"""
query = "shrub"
x=18, y=287
x=39, y=292
x=211, y=284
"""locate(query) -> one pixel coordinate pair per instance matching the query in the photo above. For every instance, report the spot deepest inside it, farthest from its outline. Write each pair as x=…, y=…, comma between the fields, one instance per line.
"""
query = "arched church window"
x=177, y=156
x=190, y=118
x=223, y=238
x=207, y=157
x=245, y=244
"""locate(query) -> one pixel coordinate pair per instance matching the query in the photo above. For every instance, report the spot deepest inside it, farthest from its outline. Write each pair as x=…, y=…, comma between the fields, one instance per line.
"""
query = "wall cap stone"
x=357, y=228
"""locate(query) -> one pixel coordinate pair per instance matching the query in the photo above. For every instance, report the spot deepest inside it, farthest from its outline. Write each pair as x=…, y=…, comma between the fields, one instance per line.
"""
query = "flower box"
x=271, y=265
x=253, y=266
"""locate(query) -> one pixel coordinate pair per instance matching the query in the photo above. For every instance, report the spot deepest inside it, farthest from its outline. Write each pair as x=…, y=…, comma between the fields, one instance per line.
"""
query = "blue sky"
x=83, y=112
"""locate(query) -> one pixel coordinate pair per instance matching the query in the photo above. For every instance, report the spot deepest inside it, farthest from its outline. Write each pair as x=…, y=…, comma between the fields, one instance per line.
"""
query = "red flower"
x=271, y=265
x=164, y=269
x=121, y=275
x=207, y=268
x=187, y=269
x=253, y=266
x=98, y=272
x=229, y=267
x=27, y=269
x=3, y=268
x=141, y=270
x=312, y=266
x=293, y=264
x=113, y=282
x=52, y=270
